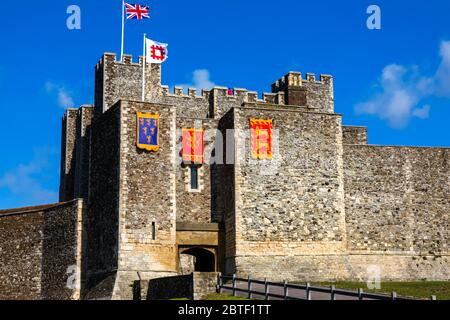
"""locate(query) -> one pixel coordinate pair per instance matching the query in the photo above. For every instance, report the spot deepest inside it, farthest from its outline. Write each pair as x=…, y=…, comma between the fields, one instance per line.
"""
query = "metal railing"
x=246, y=286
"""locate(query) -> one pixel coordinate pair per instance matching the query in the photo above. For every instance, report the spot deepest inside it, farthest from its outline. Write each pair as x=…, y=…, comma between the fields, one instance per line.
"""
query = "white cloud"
x=24, y=180
x=443, y=73
x=64, y=97
x=422, y=113
x=403, y=89
x=200, y=79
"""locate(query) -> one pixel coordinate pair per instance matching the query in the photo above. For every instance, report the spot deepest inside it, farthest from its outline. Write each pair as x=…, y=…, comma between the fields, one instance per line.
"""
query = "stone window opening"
x=193, y=178
x=153, y=231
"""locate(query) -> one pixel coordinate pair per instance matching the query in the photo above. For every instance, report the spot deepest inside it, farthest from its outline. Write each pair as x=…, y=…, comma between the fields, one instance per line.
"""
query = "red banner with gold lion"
x=261, y=138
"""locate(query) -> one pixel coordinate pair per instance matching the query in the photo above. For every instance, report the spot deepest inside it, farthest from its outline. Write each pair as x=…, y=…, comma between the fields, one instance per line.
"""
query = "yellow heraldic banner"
x=147, y=131
x=261, y=138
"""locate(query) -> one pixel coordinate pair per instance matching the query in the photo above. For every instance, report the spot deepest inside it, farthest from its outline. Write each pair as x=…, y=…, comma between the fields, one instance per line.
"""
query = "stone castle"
x=326, y=206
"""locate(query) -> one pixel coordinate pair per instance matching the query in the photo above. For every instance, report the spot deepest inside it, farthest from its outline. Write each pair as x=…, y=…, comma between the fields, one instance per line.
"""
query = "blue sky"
x=394, y=80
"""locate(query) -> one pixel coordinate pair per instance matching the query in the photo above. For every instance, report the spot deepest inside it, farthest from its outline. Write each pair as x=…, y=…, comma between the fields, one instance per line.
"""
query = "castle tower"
x=307, y=92
x=115, y=80
x=131, y=223
x=75, y=153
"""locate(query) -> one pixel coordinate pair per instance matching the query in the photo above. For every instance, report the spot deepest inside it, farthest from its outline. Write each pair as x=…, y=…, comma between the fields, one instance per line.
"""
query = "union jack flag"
x=137, y=11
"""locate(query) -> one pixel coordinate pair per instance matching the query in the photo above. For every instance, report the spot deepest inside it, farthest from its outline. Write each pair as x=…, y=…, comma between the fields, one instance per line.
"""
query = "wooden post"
x=394, y=295
x=286, y=290
x=249, y=287
x=308, y=291
x=360, y=294
x=333, y=294
x=266, y=289
x=234, y=284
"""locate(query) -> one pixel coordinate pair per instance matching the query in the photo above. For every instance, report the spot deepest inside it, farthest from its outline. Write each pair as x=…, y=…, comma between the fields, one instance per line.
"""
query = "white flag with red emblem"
x=156, y=52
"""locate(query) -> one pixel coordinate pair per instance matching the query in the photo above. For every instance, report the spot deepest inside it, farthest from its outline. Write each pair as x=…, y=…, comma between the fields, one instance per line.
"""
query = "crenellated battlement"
x=122, y=79
x=238, y=94
x=178, y=91
x=117, y=79
x=127, y=59
x=294, y=79
x=307, y=91
x=245, y=95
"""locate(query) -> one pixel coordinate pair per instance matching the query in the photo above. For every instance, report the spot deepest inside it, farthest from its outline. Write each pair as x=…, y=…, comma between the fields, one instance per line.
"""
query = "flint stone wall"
x=103, y=219
x=354, y=135
x=187, y=264
x=345, y=267
x=38, y=248
x=294, y=203
x=397, y=199
x=147, y=195
x=298, y=195
x=195, y=205
x=68, y=155
x=82, y=150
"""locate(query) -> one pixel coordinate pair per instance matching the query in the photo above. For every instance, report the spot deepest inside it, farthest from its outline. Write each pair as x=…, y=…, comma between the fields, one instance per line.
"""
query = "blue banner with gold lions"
x=147, y=131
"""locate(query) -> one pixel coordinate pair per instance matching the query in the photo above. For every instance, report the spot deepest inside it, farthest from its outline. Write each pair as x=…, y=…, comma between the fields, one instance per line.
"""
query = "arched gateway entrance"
x=203, y=259
x=198, y=246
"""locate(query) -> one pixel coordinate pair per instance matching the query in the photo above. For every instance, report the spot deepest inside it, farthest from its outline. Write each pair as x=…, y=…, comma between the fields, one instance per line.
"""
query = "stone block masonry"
x=295, y=207
x=20, y=255
x=75, y=153
x=354, y=135
x=68, y=155
x=103, y=221
x=397, y=199
x=196, y=205
x=40, y=250
x=82, y=150
x=307, y=92
x=147, y=191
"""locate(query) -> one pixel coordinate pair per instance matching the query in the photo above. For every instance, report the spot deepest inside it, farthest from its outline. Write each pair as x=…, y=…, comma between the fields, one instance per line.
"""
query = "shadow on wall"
x=193, y=286
x=101, y=224
x=164, y=288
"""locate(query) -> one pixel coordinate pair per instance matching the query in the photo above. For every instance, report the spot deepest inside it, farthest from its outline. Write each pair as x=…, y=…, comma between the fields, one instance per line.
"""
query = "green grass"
x=416, y=289
x=222, y=296
x=216, y=296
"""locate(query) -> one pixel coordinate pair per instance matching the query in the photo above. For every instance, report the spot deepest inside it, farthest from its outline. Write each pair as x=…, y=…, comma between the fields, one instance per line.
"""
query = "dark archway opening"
x=204, y=259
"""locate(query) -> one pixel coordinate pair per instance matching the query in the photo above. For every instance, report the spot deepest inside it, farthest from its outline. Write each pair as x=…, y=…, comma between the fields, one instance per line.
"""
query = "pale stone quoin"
x=327, y=206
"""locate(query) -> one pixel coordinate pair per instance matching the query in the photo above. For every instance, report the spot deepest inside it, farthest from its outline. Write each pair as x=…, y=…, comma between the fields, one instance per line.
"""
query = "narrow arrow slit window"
x=194, y=178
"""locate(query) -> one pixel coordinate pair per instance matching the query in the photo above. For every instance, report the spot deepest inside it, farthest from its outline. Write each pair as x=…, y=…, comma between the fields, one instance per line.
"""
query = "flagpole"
x=144, y=63
x=123, y=29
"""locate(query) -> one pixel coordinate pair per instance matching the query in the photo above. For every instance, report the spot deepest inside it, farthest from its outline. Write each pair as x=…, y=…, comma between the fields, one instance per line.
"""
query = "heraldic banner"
x=193, y=145
x=147, y=131
x=261, y=138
